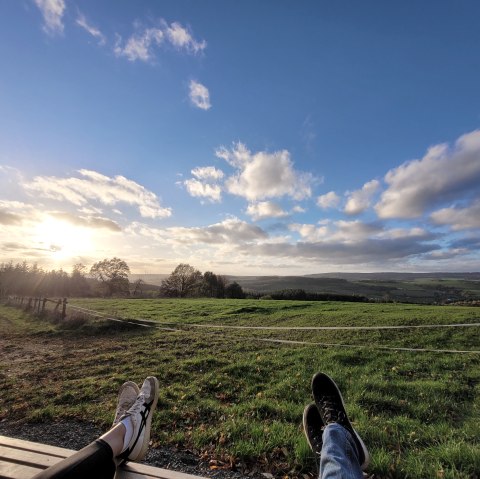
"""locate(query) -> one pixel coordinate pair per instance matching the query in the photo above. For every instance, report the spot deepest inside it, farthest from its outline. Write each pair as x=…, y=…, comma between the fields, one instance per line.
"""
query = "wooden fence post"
x=64, y=308
x=43, y=305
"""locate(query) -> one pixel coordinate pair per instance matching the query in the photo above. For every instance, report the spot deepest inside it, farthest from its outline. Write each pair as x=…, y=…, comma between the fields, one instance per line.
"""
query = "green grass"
x=228, y=396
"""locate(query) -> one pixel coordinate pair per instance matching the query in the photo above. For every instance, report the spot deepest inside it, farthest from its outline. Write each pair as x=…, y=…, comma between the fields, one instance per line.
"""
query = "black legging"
x=94, y=460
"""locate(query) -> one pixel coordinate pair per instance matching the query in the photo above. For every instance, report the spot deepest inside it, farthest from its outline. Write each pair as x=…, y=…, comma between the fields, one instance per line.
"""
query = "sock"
x=127, y=422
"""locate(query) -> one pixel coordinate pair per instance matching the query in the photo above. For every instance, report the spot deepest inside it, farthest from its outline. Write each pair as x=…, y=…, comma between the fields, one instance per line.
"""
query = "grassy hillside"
x=227, y=394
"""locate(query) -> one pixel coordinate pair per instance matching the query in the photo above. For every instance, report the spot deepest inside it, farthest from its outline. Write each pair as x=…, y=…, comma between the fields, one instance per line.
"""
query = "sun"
x=62, y=240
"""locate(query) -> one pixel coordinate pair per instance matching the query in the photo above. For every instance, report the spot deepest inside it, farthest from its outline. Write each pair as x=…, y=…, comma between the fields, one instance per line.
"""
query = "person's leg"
x=339, y=456
x=95, y=460
x=338, y=447
x=127, y=439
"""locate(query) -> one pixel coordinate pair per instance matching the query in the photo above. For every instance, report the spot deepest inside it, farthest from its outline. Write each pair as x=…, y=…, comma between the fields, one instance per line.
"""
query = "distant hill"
x=154, y=279
x=405, y=287
x=389, y=276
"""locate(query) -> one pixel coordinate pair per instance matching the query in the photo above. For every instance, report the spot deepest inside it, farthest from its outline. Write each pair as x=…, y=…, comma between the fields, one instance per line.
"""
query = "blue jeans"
x=339, y=459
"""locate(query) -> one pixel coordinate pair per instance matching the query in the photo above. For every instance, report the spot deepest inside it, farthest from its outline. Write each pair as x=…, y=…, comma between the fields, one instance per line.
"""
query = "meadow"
x=230, y=396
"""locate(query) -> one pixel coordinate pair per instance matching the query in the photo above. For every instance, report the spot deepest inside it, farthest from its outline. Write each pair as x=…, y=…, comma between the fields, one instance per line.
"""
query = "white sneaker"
x=140, y=413
x=126, y=397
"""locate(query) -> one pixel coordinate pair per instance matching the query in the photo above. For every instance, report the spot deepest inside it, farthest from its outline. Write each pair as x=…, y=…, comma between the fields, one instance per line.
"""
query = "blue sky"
x=273, y=137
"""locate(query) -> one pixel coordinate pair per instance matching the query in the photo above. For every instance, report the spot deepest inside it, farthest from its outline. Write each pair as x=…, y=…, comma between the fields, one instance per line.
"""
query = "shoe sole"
x=366, y=455
x=146, y=437
x=305, y=425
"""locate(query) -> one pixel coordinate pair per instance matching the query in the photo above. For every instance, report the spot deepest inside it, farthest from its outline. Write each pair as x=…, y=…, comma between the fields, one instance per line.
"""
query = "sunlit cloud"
x=264, y=175
x=94, y=186
x=442, y=175
x=205, y=185
x=328, y=200
x=459, y=218
x=358, y=201
x=201, y=189
x=142, y=43
x=199, y=95
x=52, y=11
x=181, y=37
x=265, y=209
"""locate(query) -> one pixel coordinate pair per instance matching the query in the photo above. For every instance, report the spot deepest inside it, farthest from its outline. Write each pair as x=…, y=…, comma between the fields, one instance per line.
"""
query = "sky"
x=244, y=138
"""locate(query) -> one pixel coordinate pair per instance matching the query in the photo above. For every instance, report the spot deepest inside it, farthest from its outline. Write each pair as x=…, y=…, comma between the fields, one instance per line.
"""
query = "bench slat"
x=28, y=458
x=35, y=447
x=18, y=459
x=10, y=470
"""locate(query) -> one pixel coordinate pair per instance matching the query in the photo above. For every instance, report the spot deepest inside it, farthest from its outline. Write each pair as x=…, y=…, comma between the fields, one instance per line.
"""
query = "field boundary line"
x=122, y=320
x=326, y=328
x=361, y=346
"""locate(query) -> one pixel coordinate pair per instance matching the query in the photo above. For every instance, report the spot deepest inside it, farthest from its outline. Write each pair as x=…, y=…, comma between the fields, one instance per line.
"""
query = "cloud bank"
x=441, y=175
x=97, y=187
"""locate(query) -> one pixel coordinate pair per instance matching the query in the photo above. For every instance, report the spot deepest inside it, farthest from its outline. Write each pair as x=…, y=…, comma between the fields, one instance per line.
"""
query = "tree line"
x=186, y=281
x=109, y=277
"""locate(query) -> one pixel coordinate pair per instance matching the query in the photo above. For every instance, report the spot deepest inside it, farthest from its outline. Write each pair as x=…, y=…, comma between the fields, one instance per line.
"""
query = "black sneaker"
x=313, y=428
x=331, y=407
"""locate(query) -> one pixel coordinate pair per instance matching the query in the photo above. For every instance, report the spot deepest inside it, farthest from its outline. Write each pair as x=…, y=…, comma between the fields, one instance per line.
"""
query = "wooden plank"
x=35, y=447
x=18, y=459
x=28, y=458
x=10, y=470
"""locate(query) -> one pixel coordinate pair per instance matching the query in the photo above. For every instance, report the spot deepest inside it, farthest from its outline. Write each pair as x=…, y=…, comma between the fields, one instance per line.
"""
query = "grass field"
x=229, y=396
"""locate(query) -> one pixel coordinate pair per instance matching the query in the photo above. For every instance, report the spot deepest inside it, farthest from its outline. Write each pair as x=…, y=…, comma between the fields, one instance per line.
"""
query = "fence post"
x=39, y=304
x=43, y=305
x=64, y=308
x=29, y=305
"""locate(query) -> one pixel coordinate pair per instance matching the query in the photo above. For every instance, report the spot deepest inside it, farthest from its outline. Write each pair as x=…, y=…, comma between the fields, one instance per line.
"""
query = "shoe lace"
x=136, y=406
x=331, y=412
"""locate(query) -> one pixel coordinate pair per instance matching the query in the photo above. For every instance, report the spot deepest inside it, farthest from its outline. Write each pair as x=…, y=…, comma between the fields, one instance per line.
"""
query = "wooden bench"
x=23, y=459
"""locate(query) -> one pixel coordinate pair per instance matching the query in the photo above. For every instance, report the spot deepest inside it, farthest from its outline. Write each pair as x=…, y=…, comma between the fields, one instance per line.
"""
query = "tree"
x=235, y=291
x=138, y=284
x=78, y=281
x=113, y=273
x=184, y=280
x=213, y=285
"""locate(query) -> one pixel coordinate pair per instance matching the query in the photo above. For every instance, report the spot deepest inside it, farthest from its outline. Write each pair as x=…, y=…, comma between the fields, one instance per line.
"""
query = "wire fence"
x=61, y=308
x=39, y=305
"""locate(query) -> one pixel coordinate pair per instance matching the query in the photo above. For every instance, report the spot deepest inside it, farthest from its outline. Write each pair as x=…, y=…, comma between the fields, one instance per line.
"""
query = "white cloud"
x=298, y=209
x=230, y=231
x=359, y=200
x=180, y=37
x=199, y=95
x=207, y=173
x=337, y=231
x=97, y=187
x=440, y=176
x=265, y=209
x=204, y=184
x=264, y=175
x=459, y=218
x=329, y=200
x=52, y=11
x=201, y=189
x=94, y=31
x=141, y=45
